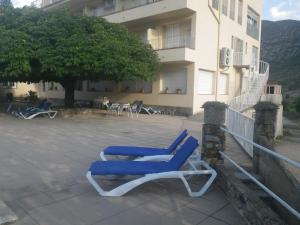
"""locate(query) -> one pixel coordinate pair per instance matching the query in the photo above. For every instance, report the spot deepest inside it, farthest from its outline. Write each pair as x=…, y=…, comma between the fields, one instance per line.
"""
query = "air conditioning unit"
x=226, y=57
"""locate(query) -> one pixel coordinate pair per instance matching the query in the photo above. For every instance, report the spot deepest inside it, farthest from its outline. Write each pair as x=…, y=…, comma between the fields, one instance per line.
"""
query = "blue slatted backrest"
x=177, y=141
x=183, y=153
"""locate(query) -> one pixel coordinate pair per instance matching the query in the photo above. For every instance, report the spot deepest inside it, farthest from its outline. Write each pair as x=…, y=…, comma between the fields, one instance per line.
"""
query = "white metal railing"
x=274, y=154
x=182, y=41
x=241, y=59
x=256, y=84
x=243, y=125
x=271, y=193
x=237, y=122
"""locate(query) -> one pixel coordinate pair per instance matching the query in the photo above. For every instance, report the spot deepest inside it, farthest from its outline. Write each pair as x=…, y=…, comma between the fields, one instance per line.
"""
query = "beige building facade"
x=208, y=49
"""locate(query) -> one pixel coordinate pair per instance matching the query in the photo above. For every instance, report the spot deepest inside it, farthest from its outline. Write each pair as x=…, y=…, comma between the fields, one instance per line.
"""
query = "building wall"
x=19, y=90
x=154, y=98
x=149, y=22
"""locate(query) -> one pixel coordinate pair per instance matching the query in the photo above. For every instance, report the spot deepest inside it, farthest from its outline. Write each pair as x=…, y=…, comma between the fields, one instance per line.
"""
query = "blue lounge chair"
x=151, y=171
x=142, y=151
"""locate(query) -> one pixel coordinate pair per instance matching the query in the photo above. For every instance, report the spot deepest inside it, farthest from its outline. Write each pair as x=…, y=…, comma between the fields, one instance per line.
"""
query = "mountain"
x=281, y=48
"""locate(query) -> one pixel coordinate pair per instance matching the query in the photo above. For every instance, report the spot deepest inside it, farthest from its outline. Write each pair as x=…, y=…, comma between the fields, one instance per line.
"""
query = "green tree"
x=6, y=3
x=68, y=48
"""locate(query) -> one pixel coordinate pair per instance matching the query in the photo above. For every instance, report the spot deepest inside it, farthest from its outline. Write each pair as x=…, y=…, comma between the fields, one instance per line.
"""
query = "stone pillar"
x=264, y=129
x=273, y=171
x=213, y=138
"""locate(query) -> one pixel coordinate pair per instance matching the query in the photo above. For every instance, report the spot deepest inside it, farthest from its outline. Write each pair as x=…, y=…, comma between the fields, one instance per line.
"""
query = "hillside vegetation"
x=281, y=48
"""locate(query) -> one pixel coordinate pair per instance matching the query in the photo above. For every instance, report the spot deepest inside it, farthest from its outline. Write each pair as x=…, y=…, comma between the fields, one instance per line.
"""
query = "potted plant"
x=166, y=91
x=179, y=91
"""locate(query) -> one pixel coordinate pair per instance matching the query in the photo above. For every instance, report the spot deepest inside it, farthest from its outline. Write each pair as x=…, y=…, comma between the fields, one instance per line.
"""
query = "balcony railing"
x=118, y=6
x=45, y=3
x=183, y=41
x=240, y=59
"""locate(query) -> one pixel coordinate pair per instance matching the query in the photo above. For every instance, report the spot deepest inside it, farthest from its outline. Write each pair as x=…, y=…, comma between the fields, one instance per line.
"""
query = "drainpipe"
x=218, y=51
x=218, y=19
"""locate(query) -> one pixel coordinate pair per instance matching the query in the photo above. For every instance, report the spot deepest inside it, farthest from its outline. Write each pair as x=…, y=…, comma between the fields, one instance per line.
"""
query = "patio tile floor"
x=43, y=164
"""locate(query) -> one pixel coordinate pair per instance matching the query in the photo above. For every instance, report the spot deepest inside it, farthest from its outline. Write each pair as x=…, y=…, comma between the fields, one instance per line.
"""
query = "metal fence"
x=238, y=123
x=270, y=152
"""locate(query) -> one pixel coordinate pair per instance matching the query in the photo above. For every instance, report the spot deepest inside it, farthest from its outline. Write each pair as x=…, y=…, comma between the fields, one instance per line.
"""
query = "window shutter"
x=223, y=84
x=205, y=82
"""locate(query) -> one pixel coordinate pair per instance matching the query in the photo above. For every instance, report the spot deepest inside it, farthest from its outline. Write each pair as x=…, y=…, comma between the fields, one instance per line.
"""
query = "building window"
x=240, y=12
x=178, y=35
x=223, y=84
x=78, y=85
x=109, y=4
x=271, y=90
x=143, y=36
x=205, y=82
x=174, y=82
x=237, y=44
x=100, y=86
x=138, y=86
x=253, y=23
x=232, y=10
x=9, y=85
x=225, y=7
x=215, y=4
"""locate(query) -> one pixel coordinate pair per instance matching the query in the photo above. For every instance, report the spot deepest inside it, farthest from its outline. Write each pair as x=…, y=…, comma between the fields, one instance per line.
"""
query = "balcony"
x=48, y=3
x=175, y=49
x=149, y=11
x=182, y=41
x=241, y=60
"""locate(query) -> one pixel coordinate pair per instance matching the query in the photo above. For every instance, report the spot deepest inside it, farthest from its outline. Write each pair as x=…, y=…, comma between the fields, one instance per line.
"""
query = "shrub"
x=215, y=104
x=269, y=106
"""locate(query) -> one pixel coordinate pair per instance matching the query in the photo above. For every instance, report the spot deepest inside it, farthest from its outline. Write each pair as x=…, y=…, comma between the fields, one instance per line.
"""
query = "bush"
x=269, y=106
x=215, y=104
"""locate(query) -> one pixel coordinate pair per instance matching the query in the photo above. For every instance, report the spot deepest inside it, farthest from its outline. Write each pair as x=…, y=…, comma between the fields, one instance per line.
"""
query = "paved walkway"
x=43, y=164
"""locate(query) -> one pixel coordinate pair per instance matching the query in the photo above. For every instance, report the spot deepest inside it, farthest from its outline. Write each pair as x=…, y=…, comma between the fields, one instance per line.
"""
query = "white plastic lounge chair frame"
x=115, y=107
x=124, y=188
x=52, y=114
x=126, y=107
x=150, y=110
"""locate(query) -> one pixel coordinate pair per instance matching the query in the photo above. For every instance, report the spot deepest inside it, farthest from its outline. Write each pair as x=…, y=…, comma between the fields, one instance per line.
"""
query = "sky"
x=273, y=9
x=281, y=9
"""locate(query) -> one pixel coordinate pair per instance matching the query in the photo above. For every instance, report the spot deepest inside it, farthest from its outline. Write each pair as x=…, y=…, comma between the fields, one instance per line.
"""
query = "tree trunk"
x=69, y=86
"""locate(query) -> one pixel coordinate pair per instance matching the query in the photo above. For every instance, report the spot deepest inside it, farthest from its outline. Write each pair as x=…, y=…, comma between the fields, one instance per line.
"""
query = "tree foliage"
x=57, y=46
x=6, y=4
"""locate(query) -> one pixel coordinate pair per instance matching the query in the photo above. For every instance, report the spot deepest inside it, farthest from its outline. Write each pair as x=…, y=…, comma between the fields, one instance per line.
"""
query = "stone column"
x=264, y=130
x=213, y=138
x=273, y=171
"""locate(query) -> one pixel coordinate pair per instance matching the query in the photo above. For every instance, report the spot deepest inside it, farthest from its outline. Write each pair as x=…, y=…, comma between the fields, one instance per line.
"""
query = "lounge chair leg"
x=204, y=187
